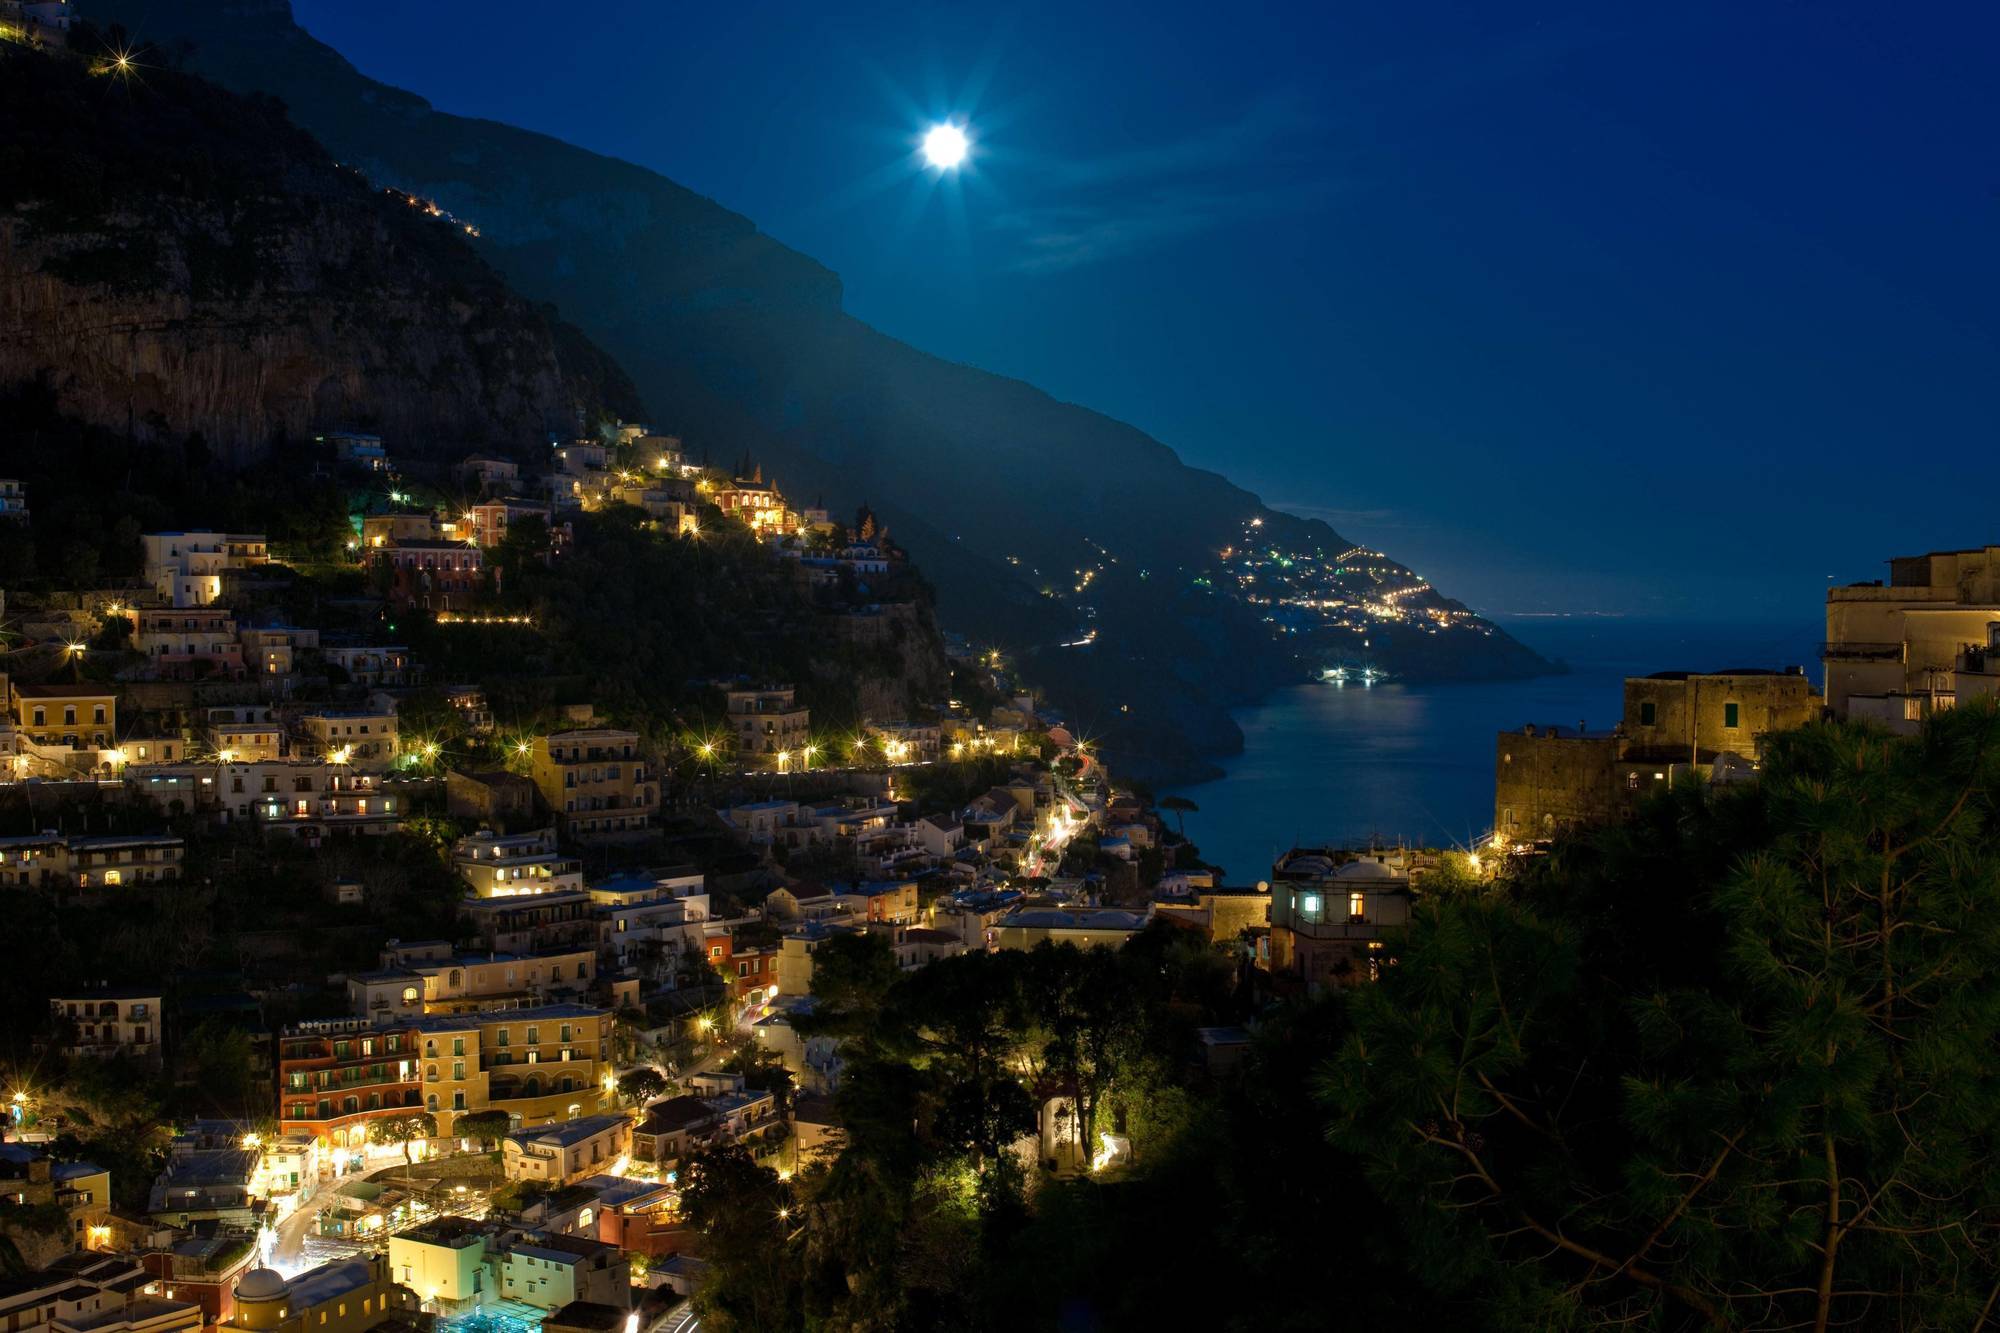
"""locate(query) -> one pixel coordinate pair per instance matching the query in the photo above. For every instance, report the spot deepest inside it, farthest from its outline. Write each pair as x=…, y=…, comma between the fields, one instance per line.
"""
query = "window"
x=1357, y=906
x=409, y=995
x=458, y=1046
x=1648, y=713
x=1729, y=715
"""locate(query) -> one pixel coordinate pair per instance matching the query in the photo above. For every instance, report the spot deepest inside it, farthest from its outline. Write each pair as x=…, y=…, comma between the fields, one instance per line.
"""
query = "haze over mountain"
x=1003, y=494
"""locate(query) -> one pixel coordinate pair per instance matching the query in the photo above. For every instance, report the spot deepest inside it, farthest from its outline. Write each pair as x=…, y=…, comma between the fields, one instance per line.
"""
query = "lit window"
x=1357, y=906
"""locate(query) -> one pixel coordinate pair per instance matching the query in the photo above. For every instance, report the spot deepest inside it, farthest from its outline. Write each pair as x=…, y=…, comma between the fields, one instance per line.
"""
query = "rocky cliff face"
x=177, y=259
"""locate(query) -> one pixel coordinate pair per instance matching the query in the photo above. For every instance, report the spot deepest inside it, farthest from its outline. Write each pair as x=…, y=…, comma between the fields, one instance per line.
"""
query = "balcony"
x=349, y=1084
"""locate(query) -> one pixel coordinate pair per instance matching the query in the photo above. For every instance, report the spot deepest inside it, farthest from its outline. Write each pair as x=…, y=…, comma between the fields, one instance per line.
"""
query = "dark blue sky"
x=1671, y=310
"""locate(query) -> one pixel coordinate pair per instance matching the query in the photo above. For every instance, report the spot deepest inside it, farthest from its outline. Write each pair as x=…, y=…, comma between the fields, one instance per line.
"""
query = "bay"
x=1331, y=764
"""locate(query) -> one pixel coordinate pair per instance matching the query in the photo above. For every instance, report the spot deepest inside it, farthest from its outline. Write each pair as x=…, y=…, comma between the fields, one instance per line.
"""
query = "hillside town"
x=493, y=1122
x=562, y=880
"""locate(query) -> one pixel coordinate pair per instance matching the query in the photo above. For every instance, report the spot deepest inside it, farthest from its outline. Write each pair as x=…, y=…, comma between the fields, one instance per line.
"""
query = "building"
x=94, y=1293
x=540, y=1065
x=398, y=525
x=97, y=861
x=908, y=742
x=444, y=1262
x=207, y=1185
x=188, y=643
x=532, y=923
x=457, y=1266
x=723, y=1112
x=431, y=575
x=306, y=799
x=598, y=782
x=768, y=724
x=372, y=665
x=553, y=1271
x=108, y=1021
x=887, y=902
x=246, y=732
x=1550, y=778
x=76, y=717
x=354, y=735
x=430, y=977
x=1329, y=917
x=1893, y=652
x=188, y=568
x=357, y=449
x=756, y=502
x=489, y=475
x=502, y=865
x=774, y=823
x=566, y=1153
x=795, y=954
x=273, y=652
x=1086, y=928
x=337, y=1076
x=350, y=1295
x=13, y=498
x=81, y=1190
x=200, y=1267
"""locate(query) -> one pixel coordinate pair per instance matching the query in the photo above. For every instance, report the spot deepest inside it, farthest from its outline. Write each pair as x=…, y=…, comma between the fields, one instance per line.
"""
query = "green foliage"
x=1729, y=1065
x=754, y=1262
x=641, y=1085
x=486, y=1128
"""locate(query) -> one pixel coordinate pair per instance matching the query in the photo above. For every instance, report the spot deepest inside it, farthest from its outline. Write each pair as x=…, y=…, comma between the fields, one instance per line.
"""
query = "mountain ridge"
x=1003, y=493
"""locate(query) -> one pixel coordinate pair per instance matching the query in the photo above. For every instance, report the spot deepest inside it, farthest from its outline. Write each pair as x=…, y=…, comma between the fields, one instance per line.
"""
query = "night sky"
x=1671, y=310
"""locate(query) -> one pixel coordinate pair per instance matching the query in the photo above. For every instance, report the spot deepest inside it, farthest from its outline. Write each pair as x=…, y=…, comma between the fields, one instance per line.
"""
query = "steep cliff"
x=177, y=259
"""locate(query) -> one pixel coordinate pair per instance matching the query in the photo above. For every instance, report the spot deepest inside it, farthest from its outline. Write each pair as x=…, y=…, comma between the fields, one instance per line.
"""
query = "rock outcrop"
x=180, y=260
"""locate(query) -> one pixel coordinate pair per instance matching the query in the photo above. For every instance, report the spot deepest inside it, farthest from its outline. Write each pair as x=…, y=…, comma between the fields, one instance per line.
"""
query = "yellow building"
x=598, y=782
x=361, y=736
x=541, y=1065
x=1893, y=651
x=443, y=1262
x=342, y=1296
x=80, y=716
x=769, y=724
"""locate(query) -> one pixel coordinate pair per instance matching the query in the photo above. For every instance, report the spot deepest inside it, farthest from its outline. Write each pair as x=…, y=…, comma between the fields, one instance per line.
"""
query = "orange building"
x=338, y=1076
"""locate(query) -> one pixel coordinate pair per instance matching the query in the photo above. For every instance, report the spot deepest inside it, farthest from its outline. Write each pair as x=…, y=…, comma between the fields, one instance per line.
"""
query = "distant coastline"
x=1413, y=760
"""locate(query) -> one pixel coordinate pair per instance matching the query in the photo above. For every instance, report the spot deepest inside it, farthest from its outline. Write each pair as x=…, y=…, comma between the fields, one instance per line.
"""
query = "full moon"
x=944, y=146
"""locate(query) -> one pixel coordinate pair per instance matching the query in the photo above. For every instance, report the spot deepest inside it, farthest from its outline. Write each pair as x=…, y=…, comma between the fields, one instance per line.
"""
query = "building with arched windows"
x=541, y=1065
x=337, y=1076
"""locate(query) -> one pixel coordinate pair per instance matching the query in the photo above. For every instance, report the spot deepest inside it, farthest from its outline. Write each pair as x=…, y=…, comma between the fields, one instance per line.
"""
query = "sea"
x=1324, y=763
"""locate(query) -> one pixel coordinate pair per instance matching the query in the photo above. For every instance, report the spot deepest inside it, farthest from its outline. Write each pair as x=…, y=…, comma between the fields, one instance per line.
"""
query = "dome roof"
x=260, y=1284
x=1364, y=870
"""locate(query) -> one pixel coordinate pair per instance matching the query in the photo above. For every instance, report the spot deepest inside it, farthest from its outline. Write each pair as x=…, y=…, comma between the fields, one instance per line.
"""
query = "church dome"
x=1364, y=870
x=260, y=1284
